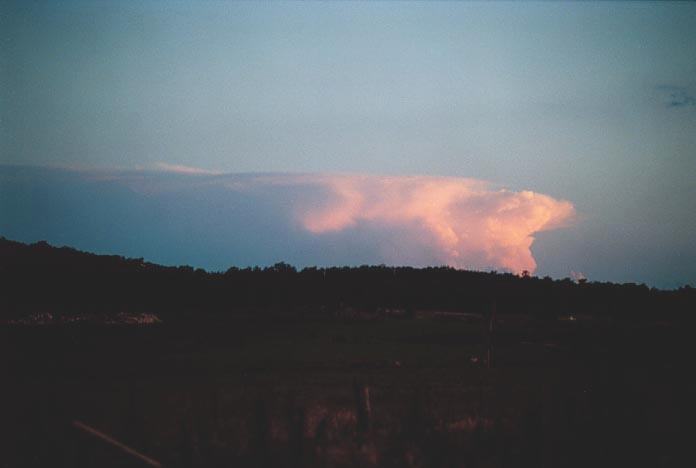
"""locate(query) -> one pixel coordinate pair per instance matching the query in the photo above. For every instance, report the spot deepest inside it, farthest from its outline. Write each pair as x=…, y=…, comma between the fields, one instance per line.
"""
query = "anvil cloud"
x=471, y=224
x=465, y=223
x=176, y=215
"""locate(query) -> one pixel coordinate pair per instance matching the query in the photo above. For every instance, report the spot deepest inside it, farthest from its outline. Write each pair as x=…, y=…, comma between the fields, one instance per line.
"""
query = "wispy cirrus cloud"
x=181, y=169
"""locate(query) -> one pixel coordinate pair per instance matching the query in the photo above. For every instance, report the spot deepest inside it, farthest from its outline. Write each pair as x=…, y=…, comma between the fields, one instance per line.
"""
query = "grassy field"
x=292, y=392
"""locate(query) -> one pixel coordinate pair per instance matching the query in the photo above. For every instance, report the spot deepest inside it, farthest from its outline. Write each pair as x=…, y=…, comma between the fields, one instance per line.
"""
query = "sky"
x=576, y=121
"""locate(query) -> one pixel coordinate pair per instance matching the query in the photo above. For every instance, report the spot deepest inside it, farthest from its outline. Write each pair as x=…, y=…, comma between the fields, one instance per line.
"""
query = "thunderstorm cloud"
x=216, y=220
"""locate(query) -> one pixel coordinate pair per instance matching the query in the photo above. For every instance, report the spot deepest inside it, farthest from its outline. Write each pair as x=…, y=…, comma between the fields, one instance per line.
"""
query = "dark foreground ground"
x=291, y=392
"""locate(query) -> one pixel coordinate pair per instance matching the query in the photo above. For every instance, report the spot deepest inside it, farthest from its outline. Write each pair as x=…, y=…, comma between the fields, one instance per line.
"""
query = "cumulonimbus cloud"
x=186, y=215
x=469, y=223
x=465, y=223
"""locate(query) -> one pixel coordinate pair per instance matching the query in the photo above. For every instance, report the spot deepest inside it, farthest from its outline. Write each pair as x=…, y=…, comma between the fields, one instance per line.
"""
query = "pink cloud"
x=406, y=220
x=469, y=223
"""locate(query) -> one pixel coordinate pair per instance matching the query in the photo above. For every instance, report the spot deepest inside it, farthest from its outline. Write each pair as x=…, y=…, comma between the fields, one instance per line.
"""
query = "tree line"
x=62, y=281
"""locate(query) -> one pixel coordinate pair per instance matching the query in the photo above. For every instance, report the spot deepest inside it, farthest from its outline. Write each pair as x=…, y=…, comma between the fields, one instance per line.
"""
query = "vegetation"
x=39, y=278
x=338, y=367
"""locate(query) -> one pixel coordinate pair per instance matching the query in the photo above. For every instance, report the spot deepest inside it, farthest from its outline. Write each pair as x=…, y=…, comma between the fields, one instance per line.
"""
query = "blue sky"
x=587, y=102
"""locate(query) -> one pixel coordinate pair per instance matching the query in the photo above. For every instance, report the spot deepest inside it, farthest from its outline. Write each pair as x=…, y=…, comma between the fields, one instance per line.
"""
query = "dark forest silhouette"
x=62, y=281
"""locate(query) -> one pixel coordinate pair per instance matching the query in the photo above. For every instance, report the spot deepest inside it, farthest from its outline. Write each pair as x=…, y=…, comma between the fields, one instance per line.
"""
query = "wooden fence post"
x=296, y=432
x=261, y=435
x=363, y=410
x=491, y=337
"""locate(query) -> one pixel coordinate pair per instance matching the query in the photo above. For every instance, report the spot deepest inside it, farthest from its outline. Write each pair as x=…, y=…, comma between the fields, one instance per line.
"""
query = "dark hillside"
x=336, y=367
x=40, y=278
